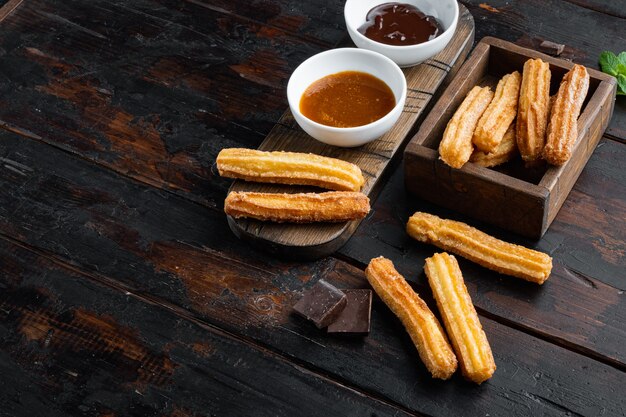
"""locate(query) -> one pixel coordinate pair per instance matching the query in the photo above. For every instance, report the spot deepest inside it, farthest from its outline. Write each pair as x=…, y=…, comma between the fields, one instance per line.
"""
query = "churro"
x=459, y=317
x=423, y=327
x=505, y=151
x=331, y=206
x=533, y=109
x=456, y=146
x=289, y=168
x=563, y=127
x=499, y=115
x=468, y=242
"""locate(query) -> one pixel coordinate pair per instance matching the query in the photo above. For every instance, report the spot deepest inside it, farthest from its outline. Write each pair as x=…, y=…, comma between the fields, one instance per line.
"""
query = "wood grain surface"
x=613, y=8
x=155, y=102
x=138, y=360
x=183, y=255
x=124, y=292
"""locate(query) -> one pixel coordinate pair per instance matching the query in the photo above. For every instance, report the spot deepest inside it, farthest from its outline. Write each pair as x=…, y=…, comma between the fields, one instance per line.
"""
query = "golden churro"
x=289, y=168
x=459, y=317
x=456, y=146
x=563, y=127
x=421, y=324
x=533, y=109
x=505, y=151
x=497, y=118
x=479, y=247
x=331, y=206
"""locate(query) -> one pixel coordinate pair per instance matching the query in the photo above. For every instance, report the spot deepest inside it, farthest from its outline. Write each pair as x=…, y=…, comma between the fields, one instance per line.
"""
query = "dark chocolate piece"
x=322, y=304
x=355, y=318
x=551, y=48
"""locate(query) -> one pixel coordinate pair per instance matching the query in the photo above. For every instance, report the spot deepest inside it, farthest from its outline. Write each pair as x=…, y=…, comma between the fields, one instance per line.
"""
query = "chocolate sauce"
x=400, y=24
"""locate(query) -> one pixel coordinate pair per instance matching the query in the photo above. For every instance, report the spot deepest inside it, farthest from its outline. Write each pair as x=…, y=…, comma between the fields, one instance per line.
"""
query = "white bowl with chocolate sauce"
x=446, y=13
x=336, y=62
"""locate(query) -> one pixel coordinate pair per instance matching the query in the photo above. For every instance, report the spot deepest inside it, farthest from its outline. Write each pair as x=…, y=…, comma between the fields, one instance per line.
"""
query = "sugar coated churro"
x=459, y=317
x=505, y=151
x=331, y=206
x=533, y=109
x=423, y=327
x=479, y=247
x=563, y=127
x=456, y=146
x=499, y=115
x=290, y=168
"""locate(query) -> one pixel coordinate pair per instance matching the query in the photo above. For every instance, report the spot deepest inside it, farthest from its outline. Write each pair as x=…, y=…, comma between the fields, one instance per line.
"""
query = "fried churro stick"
x=456, y=146
x=533, y=109
x=331, y=206
x=421, y=324
x=495, y=121
x=289, y=168
x=470, y=243
x=459, y=317
x=505, y=151
x=563, y=127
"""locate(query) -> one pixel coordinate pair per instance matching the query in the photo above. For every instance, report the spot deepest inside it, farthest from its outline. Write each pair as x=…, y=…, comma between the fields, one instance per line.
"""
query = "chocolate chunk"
x=551, y=48
x=322, y=304
x=355, y=318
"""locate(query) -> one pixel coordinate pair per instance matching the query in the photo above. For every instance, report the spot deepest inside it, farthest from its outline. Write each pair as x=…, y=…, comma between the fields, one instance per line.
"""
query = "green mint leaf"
x=621, y=84
x=609, y=63
x=621, y=68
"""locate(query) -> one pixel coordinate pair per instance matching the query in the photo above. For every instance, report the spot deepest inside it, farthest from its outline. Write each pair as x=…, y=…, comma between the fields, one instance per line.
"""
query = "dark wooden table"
x=124, y=293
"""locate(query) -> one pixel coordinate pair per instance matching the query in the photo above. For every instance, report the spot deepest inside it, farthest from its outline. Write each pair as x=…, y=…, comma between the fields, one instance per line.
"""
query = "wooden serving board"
x=310, y=241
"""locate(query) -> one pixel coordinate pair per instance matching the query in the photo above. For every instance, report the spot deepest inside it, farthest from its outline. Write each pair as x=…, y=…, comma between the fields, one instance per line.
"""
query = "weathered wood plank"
x=69, y=346
x=153, y=99
x=181, y=255
x=113, y=91
x=617, y=127
x=315, y=22
x=613, y=8
x=529, y=22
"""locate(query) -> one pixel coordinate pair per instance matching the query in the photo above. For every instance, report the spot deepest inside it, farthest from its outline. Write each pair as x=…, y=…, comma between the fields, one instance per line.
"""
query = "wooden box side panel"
x=475, y=195
x=509, y=57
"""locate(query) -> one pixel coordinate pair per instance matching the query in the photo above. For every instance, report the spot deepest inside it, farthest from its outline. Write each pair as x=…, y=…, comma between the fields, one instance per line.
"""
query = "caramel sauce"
x=347, y=99
x=400, y=24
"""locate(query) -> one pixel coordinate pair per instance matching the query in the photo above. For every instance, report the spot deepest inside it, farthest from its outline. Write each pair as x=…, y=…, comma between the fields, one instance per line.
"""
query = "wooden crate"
x=511, y=197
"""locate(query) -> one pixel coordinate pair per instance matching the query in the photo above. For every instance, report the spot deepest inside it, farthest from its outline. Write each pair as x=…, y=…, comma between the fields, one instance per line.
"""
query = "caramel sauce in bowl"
x=347, y=99
x=333, y=96
x=445, y=12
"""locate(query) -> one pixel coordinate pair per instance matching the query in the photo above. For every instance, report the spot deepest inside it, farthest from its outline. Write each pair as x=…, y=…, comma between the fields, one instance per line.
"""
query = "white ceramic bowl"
x=447, y=11
x=346, y=59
